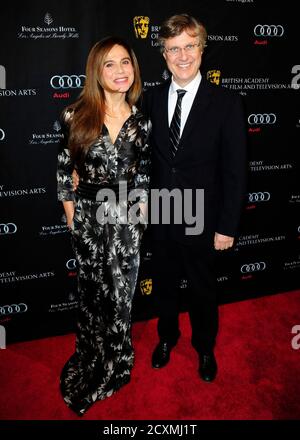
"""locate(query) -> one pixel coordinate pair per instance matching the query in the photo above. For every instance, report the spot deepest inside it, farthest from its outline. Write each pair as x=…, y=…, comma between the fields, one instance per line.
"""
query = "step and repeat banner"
x=251, y=50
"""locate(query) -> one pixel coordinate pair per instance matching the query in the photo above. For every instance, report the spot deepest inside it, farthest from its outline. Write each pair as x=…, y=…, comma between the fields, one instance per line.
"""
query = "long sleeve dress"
x=107, y=257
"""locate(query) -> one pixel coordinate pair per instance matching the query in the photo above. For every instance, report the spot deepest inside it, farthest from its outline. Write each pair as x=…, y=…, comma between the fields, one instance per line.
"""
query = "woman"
x=106, y=142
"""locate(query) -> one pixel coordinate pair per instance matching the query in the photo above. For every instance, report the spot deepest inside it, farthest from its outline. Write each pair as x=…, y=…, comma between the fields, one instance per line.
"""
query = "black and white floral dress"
x=108, y=260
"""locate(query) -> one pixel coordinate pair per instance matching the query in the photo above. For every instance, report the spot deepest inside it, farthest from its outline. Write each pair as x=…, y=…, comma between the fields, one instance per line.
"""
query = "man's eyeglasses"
x=189, y=48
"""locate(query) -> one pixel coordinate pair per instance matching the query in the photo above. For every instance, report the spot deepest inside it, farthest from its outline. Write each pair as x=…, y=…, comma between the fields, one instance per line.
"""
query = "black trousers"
x=170, y=259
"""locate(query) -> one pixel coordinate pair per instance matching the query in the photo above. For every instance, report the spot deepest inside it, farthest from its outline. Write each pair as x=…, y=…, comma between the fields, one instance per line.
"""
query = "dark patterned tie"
x=175, y=123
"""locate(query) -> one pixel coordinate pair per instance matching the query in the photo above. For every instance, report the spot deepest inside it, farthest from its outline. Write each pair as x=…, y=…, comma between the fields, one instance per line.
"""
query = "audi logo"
x=71, y=264
x=299, y=229
x=253, y=267
x=2, y=134
x=268, y=30
x=8, y=228
x=13, y=308
x=259, y=196
x=261, y=118
x=67, y=81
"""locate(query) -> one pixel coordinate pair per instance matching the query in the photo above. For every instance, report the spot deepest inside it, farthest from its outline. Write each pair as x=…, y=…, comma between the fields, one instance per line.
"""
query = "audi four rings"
x=253, y=267
x=13, y=308
x=268, y=30
x=261, y=118
x=259, y=196
x=8, y=228
x=67, y=81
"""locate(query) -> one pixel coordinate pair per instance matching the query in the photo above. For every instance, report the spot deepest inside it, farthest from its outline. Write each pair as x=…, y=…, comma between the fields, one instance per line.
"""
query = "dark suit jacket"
x=211, y=156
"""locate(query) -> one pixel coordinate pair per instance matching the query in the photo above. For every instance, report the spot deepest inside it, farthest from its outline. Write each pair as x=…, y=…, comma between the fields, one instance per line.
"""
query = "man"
x=198, y=141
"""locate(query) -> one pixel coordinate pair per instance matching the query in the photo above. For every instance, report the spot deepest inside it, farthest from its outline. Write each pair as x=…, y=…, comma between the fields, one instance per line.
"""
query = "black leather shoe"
x=208, y=367
x=161, y=354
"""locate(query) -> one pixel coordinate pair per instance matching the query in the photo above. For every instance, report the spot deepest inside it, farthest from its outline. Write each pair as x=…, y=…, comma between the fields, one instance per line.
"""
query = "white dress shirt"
x=187, y=100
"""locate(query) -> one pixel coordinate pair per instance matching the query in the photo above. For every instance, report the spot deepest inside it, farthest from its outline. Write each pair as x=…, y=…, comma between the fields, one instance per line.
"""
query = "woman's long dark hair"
x=86, y=116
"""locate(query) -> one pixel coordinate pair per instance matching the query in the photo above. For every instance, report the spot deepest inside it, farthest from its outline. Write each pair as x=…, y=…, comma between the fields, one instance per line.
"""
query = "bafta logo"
x=146, y=286
x=141, y=26
x=214, y=76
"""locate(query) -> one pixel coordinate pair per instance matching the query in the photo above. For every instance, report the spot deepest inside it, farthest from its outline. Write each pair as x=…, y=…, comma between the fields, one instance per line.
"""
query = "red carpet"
x=258, y=378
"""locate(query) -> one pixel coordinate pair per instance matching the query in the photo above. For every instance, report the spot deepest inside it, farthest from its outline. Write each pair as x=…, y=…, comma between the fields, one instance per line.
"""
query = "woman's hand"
x=144, y=212
x=75, y=179
x=69, y=211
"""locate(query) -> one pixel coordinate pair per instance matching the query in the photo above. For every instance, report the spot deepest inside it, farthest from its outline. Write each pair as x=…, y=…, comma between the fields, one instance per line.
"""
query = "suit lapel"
x=161, y=117
x=198, y=109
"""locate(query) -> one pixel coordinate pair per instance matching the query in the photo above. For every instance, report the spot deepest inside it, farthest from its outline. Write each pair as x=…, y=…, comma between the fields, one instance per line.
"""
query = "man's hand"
x=75, y=178
x=222, y=242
